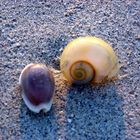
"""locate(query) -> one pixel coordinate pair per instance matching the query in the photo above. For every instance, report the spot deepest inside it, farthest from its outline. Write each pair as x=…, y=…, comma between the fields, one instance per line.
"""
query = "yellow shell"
x=88, y=59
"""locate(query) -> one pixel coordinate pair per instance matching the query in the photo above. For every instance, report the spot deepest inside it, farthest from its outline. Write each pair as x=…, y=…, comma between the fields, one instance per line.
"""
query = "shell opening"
x=82, y=72
x=45, y=107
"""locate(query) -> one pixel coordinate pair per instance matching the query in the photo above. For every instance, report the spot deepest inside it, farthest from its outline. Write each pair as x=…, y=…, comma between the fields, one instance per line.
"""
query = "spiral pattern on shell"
x=82, y=72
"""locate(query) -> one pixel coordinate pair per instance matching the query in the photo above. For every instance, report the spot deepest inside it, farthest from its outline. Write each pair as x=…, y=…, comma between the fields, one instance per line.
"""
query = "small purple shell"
x=37, y=83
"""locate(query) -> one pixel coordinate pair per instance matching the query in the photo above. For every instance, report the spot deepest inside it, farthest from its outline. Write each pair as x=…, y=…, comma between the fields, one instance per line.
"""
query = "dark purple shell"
x=38, y=84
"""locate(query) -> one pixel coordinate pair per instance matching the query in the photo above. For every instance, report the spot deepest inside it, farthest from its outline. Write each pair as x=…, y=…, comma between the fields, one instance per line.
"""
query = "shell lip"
x=37, y=108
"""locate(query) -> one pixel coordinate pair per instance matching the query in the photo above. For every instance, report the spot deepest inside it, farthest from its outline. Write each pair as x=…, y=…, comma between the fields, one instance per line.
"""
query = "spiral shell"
x=88, y=59
x=37, y=84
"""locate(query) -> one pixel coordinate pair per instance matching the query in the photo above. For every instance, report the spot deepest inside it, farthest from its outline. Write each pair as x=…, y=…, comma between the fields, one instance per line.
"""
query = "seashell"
x=37, y=85
x=88, y=59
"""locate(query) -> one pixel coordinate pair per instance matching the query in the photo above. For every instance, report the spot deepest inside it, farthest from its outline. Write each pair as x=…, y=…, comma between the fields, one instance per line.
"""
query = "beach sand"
x=36, y=31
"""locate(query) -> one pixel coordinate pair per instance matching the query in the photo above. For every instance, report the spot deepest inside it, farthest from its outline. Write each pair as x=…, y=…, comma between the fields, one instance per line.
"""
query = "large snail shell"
x=88, y=59
x=37, y=84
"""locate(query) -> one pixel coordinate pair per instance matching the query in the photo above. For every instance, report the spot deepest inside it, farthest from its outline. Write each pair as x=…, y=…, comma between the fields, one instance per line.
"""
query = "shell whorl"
x=82, y=72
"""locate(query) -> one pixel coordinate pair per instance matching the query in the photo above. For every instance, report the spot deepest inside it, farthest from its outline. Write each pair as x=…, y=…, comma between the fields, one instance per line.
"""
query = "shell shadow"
x=95, y=112
x=37, y=126
x=78, y=112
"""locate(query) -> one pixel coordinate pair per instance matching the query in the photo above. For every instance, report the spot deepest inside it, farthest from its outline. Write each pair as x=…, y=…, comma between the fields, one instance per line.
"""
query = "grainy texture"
x=37, y=31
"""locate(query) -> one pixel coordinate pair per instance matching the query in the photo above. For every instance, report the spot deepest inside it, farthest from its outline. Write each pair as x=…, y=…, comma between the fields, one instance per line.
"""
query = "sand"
x=36, y=31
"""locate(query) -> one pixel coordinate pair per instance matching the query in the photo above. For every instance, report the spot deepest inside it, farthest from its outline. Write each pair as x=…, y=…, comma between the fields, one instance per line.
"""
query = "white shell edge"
x=44, y=106
x=20, y=82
